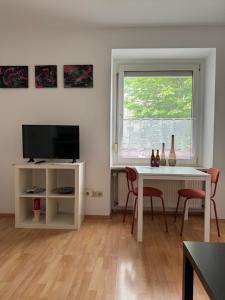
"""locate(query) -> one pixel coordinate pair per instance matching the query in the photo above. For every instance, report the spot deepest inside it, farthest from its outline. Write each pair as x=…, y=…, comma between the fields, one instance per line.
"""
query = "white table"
x=172, y=173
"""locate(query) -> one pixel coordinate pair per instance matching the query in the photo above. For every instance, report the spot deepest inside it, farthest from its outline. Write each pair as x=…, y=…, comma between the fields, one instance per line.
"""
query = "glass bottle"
x=163, y=156
x=152, y=160
x=172, y=156
x=157, y=159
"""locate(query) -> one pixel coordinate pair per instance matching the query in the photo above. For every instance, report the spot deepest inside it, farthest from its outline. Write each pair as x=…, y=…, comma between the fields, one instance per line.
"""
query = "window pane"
x=155, y=108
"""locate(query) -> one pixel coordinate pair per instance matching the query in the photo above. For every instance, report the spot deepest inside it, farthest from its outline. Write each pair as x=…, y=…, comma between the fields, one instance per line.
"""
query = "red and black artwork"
x=46, y=76
x=78, y=76
x=13, y=76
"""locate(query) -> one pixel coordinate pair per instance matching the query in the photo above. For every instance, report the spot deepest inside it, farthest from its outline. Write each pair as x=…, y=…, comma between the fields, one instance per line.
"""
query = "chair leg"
x=217, y=224
x=182, y=224
x=164, y=213
x=151, y=207
x=178, y=201
x=125, y=210
x=135, y=205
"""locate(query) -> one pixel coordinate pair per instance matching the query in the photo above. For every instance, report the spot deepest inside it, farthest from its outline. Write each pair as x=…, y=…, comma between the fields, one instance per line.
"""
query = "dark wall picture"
x=46, y=76
x=13, y=77
x=78, y=76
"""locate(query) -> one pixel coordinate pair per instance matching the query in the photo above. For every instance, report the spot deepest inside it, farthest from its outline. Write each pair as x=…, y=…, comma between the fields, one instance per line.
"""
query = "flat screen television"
x=51, y=141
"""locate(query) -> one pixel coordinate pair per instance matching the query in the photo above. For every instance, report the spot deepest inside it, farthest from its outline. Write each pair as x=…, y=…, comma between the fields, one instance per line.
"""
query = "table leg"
x=187, y=293
x=136, y=213
x=187, y=204
x=140, y=210
x=186, y=212
x=207, y=209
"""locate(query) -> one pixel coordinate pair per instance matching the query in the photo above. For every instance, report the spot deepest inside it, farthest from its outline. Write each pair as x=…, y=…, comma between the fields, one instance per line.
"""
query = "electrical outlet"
x=96, y=194
x=87, y=193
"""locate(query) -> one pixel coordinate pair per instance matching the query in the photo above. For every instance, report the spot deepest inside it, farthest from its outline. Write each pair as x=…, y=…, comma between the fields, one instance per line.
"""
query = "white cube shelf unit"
x=58, y=210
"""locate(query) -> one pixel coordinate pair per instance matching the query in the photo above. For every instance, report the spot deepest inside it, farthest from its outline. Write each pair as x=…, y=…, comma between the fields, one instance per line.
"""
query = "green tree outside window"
x=158, y=97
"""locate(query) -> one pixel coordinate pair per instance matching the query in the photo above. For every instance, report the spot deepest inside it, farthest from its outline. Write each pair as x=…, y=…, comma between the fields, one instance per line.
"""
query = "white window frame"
x=117, y=107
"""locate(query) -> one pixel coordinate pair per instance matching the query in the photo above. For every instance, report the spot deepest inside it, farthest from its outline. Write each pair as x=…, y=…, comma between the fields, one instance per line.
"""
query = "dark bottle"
x=152, y=159
x=157, y=159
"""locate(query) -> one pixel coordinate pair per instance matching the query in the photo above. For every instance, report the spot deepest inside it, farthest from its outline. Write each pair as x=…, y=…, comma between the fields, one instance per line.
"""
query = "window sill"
x=122, y=167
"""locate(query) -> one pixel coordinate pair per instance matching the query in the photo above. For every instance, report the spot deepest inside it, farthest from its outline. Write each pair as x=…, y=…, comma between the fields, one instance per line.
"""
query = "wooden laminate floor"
x=100, y=261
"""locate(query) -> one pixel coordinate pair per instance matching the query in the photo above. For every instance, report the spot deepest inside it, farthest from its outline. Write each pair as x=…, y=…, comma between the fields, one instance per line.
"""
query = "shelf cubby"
x=25, y=214
x=29, y=178
x=61, y=211
x=59, y=178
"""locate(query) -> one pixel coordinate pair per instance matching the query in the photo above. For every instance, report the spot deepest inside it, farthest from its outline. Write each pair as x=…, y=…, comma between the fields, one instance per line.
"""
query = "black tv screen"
x=51, y=141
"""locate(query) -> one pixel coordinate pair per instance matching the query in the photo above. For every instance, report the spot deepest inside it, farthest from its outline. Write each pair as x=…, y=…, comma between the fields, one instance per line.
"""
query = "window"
x=151, y=106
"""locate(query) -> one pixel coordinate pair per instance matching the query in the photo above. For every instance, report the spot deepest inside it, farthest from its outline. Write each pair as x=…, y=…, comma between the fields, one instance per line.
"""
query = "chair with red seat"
x=147, y=192
x=200, y=194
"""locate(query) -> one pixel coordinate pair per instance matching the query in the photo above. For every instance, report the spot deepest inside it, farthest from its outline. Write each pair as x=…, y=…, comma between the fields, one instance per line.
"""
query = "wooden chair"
x=147, y=191
x=199, y=194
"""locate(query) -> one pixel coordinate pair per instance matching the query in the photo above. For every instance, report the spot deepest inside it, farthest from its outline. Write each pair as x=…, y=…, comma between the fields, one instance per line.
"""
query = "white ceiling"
x=111, y=13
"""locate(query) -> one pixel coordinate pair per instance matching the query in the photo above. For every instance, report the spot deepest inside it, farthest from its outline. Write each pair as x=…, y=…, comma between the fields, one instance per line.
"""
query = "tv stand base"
x=31, y=160
x=39, y=161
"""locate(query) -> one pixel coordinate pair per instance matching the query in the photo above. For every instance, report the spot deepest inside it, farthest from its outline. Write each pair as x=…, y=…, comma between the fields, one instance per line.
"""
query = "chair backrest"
x=131, y=178
x=215, y=173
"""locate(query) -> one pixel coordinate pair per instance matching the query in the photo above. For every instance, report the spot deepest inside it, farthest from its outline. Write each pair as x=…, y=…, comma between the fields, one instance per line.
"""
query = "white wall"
x=90, y=108
x=209, y=108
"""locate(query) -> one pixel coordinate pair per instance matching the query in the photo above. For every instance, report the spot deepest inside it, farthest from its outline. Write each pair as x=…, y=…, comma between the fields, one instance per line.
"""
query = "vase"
x=36, y=217
x=163, y=156
x=37, y=204
x=172, y=155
